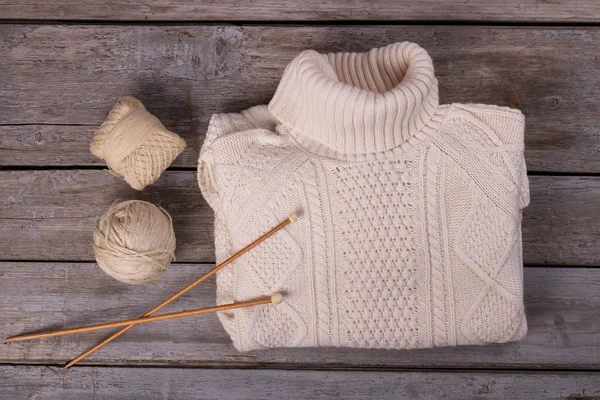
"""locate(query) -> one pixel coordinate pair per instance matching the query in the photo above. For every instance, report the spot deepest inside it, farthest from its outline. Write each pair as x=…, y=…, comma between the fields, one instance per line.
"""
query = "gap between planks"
x=184, y=74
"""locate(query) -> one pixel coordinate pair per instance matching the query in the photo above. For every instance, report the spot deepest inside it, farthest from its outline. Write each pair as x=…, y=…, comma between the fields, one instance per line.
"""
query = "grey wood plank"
x=49, y=215
x=64, y=146
x=43, y=383
x=309, y=10
x=561, y=305
x=557, y=204
x=71, y=75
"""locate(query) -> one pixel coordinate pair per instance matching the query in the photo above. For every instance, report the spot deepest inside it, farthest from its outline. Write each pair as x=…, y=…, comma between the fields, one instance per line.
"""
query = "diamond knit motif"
x=272, y=259
x=470, y=135
x=496, y=319
x=491, y=227
x=498, y=312
x=255, y=168
x=377, y=275
x=274, y=327
x=487, y=145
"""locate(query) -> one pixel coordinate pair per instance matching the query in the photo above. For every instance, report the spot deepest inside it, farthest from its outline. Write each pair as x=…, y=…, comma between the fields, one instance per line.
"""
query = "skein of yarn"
x=135, y=144
x=134, y=241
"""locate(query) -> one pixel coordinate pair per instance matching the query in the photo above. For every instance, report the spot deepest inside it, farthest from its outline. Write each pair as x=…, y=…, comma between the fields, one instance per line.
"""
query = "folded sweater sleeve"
x=230, y=126
x=508, y=124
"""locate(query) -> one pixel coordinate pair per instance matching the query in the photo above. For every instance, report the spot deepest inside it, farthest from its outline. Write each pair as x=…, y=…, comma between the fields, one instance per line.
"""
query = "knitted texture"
x=409, y=212
x=377, y=296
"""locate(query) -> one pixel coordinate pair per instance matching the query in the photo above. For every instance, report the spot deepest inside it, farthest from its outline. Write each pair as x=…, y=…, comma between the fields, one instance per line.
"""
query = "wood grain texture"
x=62, y=146
x=58, y=82
x=43, y=383
x=308, y=10
x=49, y=215
x=561, y=306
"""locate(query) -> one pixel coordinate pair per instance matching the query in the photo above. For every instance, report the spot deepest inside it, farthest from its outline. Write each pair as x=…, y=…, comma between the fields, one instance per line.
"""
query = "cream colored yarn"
x=135, y=144
x=134, y=241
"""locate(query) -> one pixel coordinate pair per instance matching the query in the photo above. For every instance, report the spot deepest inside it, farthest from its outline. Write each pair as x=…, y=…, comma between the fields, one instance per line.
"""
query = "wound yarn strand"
x=135, y=144
x=134, y=241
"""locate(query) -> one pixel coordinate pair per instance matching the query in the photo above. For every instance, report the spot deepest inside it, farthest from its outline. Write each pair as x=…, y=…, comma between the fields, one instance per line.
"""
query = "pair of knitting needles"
x=276, y=298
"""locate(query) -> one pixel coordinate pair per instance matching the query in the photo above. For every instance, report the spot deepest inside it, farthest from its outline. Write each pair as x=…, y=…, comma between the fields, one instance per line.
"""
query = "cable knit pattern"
x=225, y=277
x=409, y=211
x=314, y=211
x=435, y=246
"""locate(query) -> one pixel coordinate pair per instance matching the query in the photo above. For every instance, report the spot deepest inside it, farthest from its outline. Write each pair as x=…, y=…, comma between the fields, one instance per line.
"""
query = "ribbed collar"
x=357, y=103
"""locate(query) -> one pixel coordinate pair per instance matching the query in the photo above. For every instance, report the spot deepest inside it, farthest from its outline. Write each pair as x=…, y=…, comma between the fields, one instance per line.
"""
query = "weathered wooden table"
x=64, y=63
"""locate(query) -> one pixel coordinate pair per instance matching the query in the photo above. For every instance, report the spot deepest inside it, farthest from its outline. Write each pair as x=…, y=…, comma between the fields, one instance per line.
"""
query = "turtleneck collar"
x=357, y=103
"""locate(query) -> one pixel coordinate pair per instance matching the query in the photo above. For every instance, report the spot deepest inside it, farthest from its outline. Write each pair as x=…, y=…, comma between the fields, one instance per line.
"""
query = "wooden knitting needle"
x=290, y=219
x=275, y=299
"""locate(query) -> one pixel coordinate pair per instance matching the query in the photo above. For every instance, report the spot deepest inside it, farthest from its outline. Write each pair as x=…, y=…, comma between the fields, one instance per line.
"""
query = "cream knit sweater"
x=409, y=212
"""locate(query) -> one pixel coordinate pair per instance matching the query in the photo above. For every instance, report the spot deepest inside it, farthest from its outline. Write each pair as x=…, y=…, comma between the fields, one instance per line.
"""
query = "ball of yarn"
x=135, y=144
x=134, y=241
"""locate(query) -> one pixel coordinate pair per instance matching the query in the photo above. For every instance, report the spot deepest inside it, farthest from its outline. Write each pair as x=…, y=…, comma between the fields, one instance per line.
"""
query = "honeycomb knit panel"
x=409, y=212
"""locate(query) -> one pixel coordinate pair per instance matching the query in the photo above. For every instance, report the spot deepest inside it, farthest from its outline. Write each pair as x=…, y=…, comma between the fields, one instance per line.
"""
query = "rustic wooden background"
x=64, y=63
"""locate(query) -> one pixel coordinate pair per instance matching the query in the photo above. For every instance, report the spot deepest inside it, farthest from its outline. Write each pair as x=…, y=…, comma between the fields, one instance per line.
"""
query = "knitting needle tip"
x=13, y=339
x=276, y=298
x=293, y=218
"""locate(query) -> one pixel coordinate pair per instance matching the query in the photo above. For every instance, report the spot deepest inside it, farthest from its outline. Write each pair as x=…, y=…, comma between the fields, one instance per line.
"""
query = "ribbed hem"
x=357, y=103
